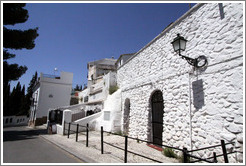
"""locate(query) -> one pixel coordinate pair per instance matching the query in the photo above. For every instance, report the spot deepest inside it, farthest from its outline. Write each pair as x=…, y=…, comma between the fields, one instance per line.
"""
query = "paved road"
x=24, y=145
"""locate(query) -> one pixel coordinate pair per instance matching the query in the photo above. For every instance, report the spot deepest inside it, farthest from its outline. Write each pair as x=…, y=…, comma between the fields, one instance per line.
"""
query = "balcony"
x=98, y=87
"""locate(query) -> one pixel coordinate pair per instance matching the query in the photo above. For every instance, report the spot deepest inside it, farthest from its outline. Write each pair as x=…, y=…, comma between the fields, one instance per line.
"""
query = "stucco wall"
x=201, y=106
x=60, y=97
x=54, y=93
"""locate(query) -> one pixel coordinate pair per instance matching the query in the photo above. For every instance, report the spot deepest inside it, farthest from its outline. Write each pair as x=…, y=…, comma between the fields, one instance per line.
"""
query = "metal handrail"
x=200, y=159
x=210, y=147
x=132, y=152
x=126, y=151
x=77, y=131
x=145, y=141
x=75, y=124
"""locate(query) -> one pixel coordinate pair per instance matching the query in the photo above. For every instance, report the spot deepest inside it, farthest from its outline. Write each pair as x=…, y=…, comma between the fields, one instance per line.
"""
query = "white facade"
x=50, y=92
x=95, y=94
x=122, y=59
x=99, y=68
x=15, y=120
x=109, y=117
x=101, y=76
x=201, y=106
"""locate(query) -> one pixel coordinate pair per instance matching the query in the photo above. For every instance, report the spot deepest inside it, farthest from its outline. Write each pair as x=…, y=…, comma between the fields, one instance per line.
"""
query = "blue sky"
x=73, y=34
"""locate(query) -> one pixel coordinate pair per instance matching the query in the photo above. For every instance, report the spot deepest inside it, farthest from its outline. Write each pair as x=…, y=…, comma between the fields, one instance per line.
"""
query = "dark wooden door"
x=157, y=117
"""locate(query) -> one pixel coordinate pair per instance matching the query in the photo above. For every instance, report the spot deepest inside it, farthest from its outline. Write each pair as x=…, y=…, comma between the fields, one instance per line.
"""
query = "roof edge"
x=169, y=27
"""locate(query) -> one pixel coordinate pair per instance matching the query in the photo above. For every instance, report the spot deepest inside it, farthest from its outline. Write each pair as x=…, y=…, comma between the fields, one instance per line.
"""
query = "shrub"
x=181, y=159
x=113, y=89
x=138, y=140
x=119, y=133
x=168, y=152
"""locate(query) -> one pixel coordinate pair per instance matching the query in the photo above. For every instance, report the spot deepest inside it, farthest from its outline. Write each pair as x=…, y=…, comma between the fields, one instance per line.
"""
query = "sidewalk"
x=92, y=153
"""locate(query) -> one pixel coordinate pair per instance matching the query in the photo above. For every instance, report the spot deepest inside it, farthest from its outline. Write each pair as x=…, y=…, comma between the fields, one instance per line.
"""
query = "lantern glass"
x=182, y=44
x=176, y=45
x=179, y=43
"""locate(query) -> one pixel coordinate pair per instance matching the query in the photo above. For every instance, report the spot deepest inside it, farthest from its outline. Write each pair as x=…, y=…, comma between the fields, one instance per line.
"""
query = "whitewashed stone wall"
x=195, y=115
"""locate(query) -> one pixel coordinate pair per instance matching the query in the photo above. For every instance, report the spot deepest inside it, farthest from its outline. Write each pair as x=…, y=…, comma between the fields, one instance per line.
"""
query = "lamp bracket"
x=191, y=61
x=199, y=62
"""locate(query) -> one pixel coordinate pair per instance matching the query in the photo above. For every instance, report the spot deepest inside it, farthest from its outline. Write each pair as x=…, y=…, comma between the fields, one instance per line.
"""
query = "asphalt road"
x=24, y=145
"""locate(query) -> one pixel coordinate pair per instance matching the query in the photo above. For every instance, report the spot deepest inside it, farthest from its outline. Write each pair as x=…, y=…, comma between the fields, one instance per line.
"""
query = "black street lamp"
x=179, y=44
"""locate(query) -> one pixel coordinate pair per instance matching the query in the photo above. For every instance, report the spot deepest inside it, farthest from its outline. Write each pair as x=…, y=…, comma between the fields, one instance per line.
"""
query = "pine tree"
x=32, y=84
x=14, y=13
x=15, y=99
x=23, y=107
x=76, y=88
x=30, y=90
x=6, y=100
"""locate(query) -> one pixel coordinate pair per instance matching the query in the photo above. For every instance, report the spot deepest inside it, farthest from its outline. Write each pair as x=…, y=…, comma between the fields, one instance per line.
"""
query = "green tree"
x=17, y=102
x=6, y=100
x=15, y=99
x=22, y=109
x=14, y=13
x=32, y=84
x=30, y=90
x=78, y=88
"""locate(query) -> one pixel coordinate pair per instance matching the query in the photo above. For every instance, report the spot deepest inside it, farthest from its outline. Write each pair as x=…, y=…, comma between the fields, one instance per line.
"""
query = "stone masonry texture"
x=201, y=106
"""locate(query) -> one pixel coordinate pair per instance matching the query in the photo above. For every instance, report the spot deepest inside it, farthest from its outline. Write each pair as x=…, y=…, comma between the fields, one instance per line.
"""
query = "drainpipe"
x=122, y=113
x=189, y=75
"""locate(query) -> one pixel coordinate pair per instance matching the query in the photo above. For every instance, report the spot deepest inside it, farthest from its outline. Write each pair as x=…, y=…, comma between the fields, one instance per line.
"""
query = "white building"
x=122, y=59
x=101, y=76
x=164, y=99
x=15, y=121
x=50, y=92
x=101, y=79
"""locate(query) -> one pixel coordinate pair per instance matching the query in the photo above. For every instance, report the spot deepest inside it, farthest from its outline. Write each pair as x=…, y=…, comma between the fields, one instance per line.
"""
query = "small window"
x=86, y=99
x=17, y=120
x=7, y=121
x=50, y=96
x=107, y=115
x=10, y=120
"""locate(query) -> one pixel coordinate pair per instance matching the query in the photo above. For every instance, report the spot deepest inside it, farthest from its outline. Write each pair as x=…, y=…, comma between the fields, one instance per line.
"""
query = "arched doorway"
x=126, y=117
x=157, y=107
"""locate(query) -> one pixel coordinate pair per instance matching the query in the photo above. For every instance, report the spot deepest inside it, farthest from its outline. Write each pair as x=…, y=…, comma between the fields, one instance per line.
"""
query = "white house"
x=15, y=120
x=50, y=92
x=101, y=76
x=122, y=59
x=165, y=99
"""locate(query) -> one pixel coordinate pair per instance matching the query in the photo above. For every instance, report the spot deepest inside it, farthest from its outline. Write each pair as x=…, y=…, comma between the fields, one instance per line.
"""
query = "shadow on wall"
x=198, y=94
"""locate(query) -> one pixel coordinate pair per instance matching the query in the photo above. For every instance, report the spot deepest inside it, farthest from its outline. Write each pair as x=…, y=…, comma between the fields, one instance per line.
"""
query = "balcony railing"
x=51, y=76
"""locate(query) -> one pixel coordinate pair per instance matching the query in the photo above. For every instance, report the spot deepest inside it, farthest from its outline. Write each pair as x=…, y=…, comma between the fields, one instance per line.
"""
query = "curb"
x=79, y=156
